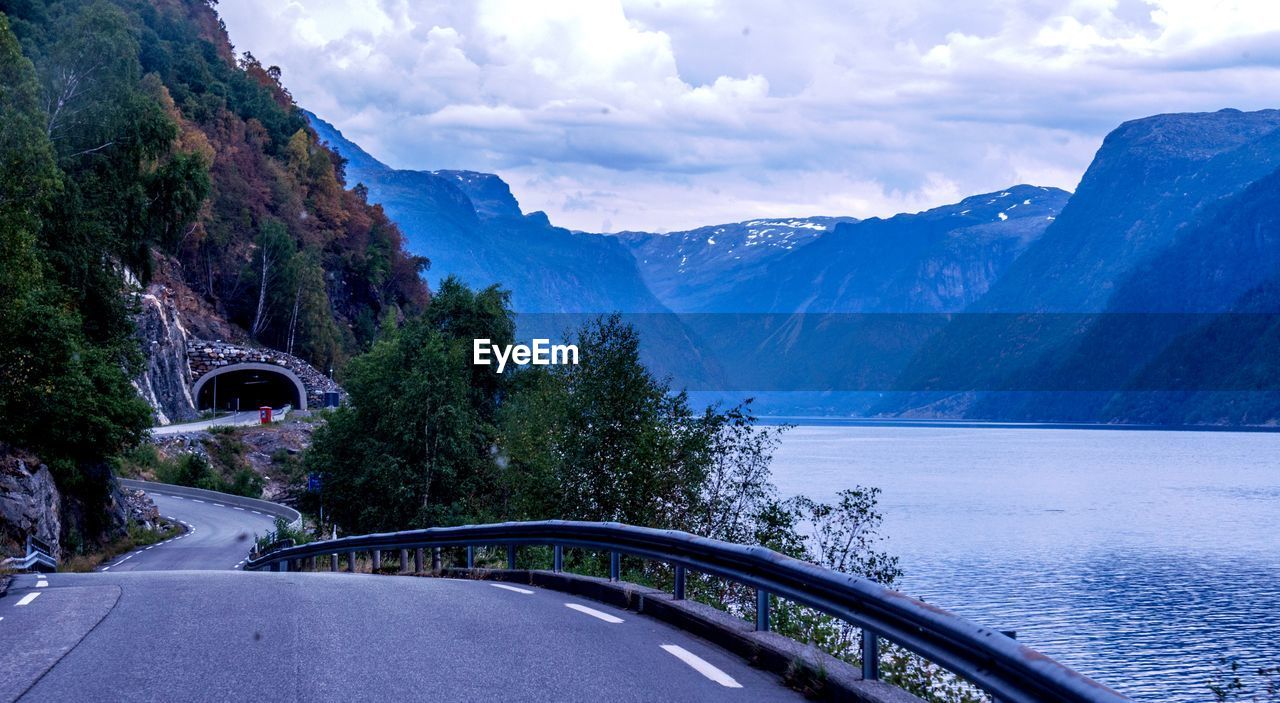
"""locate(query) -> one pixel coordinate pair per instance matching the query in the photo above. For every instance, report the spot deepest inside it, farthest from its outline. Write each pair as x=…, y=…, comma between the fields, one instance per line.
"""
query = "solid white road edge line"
x=593, y=613
x=505, y=587
x=702, y=666
x=27, y=598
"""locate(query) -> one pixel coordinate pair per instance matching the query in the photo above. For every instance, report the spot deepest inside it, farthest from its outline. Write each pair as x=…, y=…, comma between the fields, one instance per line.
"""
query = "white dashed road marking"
x=27, y=599
x=702, y=666
x=41, y=583
x=505, y=587
x=593, y=613
x=237, y=508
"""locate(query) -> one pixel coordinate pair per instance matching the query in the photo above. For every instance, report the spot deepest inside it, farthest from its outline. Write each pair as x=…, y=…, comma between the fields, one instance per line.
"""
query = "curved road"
x=218, y=537
x=134, y=634
x=239, y=419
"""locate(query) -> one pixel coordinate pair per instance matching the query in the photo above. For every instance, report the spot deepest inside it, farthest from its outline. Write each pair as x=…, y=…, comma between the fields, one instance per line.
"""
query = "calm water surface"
x=1137, y=557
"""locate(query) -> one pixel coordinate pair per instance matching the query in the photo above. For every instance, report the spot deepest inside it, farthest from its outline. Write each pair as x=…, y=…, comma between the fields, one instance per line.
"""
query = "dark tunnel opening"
x=247, y=389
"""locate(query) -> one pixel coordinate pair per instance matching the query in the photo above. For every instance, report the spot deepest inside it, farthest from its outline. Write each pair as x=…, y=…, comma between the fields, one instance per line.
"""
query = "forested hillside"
x=133, y=133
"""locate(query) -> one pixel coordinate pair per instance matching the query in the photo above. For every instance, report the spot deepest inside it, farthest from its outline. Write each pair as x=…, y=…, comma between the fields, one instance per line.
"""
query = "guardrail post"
x=311, y=564
x=870, y=655
x=333, y=563
x=471, y=557
x=375, y=555
x=511, y=557
x=436, y=561
x=762, y=610
x=351, y=561
x=404, y=560
x=557, y=558
x=678, y=593
x=417, y=560
x=615, y=566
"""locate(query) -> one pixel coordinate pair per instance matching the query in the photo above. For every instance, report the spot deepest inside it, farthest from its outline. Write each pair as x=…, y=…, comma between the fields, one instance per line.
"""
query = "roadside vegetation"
x=217, y=464
x=282, y=531
x=135, y=537
x=430, y=439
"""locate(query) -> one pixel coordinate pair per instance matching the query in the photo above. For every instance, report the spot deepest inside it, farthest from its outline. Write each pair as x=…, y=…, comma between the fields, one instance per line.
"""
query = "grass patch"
x=135, y=536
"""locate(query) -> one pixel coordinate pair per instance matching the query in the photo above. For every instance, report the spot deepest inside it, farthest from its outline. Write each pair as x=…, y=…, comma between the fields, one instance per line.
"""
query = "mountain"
x=473, y=227
x=1144, y=298
x=692, y=271
x=934, y=261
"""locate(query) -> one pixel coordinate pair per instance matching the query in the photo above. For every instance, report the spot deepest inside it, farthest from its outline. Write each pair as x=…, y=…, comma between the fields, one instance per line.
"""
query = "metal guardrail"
x=293, y=517
x=39, y=556
x=993, y=661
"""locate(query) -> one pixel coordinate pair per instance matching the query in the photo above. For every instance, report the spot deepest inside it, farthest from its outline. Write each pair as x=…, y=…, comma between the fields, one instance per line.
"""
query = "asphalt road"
x=131, y=634
x=233, y=420
x=218, y=537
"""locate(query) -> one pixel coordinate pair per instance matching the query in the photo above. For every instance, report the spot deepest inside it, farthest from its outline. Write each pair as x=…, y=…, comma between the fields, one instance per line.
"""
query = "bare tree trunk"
x=293, y=319
x=260, y=316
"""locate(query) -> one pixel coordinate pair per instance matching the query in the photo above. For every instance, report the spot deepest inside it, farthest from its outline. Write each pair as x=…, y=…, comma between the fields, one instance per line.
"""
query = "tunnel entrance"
x=248, y=387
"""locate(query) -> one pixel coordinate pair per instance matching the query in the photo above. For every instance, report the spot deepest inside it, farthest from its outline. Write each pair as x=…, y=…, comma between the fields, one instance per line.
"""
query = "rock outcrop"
x=165, y=382
x=30, y=503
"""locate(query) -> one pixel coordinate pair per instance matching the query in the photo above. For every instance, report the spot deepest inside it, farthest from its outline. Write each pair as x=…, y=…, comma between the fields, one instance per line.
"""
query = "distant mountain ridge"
x=1026, y=287
x=939, y=260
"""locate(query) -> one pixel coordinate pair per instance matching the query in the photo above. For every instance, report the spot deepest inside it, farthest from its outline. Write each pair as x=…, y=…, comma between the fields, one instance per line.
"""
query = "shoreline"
x=834, y=421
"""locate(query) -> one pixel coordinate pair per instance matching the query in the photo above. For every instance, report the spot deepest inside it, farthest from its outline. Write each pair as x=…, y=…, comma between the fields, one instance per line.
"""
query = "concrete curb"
x=803, y=667
x=273, y=509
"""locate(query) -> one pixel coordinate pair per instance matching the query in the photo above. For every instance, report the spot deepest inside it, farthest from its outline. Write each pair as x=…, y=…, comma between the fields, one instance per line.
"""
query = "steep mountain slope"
x=1150, y=177
x=474, y=228
x=1174, y=223
x=130, y=134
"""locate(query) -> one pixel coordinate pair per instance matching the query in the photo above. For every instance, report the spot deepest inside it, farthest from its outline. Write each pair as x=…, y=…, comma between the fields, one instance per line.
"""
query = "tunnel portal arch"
x=286, y=376
x=242, y=380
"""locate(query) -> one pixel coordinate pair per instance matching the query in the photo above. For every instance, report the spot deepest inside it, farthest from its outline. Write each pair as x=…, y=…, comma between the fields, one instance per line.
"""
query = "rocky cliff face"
x=170, y=316
x=165, y=382
x=30, y=503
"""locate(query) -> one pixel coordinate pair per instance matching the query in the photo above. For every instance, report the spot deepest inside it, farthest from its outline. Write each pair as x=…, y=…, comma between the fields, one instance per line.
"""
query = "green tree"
x=603, y=440
x=414, y=445
x=63, y=394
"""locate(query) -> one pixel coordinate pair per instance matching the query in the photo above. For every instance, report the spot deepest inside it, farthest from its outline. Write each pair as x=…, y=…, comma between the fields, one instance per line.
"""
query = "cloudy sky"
x=668, y=114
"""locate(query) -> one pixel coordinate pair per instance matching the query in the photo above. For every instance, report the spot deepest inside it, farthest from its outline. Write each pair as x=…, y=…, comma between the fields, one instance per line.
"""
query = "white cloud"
x=673, y=114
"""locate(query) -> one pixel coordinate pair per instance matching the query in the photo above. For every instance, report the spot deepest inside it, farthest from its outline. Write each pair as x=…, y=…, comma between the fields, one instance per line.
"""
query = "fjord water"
x=1138, y=557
